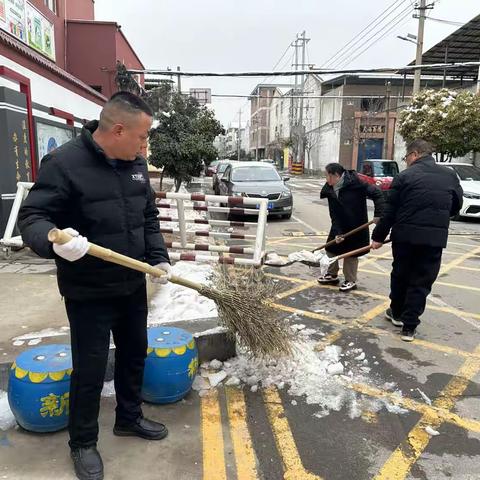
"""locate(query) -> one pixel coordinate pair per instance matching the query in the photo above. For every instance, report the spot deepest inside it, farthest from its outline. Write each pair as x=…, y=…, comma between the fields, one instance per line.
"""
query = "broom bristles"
x=244, y=306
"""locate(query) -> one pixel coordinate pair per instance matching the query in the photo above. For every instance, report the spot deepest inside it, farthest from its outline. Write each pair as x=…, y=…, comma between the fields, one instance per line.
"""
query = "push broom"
x=242, y=304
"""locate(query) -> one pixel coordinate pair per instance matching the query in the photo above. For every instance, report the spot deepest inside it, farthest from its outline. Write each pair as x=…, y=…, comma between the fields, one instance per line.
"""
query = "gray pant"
x=350, y=268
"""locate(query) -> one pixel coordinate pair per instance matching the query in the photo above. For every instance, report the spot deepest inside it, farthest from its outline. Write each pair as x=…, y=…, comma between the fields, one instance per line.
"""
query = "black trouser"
x=90, y=325
x=415, y=268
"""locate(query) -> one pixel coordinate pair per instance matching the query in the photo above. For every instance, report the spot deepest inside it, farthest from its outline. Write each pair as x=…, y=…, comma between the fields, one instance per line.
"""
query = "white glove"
x=166, y=267
x=73, y=250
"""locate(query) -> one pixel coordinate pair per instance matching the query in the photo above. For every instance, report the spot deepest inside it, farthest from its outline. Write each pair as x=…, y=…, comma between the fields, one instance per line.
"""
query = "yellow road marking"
x=287, y=279
x=409, y=451
x=212, y=438
x=444, y=284
x=298, y=289
x=377, y=331
x=242, y=442
x=458, y=261
x=413, y=405
x=374, y=312
x=292, y=463
x=471, y=269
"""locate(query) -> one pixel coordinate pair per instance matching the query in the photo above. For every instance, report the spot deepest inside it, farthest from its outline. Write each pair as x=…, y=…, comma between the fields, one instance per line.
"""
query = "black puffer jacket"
x=111, y=203
x=421, y=201
x=349, y=210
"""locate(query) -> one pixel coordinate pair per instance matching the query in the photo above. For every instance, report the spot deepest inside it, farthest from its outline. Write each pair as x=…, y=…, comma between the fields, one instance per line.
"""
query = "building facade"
x=48, y=87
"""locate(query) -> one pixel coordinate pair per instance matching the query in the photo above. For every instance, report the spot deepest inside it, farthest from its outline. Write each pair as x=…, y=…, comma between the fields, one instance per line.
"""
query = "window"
x=51, y=4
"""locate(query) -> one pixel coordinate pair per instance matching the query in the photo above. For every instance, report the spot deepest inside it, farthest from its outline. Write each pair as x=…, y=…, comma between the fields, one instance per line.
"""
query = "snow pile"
x=173, y=302
x=7, y=420
x=322, y=378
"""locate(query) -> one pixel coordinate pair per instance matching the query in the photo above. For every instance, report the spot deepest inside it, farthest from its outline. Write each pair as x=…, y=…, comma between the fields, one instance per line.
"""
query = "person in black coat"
x=422, y=199
x=97, y=186
x=347, y=202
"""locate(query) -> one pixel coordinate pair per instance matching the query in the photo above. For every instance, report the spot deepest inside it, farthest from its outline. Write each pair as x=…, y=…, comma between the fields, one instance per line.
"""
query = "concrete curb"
x=213, y=344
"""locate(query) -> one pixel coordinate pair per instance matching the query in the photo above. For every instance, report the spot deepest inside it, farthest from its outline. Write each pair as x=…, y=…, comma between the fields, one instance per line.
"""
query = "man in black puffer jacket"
x=347, y=203
x=98, y=185
x=421, y=201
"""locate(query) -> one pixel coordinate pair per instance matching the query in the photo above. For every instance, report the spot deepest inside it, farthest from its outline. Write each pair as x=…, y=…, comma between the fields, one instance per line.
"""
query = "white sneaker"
x=347, y=286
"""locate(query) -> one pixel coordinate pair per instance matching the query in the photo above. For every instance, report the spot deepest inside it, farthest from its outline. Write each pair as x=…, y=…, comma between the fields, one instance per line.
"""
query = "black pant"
x=415, y=268
x=90, y=325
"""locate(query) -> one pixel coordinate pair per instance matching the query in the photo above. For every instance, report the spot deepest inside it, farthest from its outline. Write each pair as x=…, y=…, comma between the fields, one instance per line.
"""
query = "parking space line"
x=458, y=261
x=471, y=269
x=298, y=289
x=313, y=229
x=411, y=404
x=409, y=451
x=288, y=279
x=242, y=442
x=377, y=331
x=293, y=467
x=445, y=284
x=212, y=438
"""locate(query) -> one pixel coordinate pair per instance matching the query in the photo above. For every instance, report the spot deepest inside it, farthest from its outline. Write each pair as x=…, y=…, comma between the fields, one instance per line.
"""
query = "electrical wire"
x=372, y=25
x=374, y=38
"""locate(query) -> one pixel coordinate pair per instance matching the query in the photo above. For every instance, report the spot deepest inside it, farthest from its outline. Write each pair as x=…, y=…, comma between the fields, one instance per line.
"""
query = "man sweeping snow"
x=98, y=185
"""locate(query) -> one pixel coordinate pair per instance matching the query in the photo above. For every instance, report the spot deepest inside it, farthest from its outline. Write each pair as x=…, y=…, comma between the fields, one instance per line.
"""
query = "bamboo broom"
x=243, y=306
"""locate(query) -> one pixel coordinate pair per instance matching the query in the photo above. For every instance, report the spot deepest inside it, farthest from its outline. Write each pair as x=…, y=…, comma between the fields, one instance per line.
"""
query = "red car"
x=212, y=168
x=378, y=172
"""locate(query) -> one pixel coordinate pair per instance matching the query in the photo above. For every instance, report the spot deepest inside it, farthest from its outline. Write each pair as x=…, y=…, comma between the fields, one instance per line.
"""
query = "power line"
x=377, y=20
x=316, y=71
x=403, y=14
x=402, y=18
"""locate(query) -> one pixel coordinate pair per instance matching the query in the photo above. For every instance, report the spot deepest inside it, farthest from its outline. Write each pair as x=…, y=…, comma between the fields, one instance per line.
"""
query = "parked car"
x=469, y=177
x=219, y=171
x=258, y=180
x=379, y=172
x=212, y=168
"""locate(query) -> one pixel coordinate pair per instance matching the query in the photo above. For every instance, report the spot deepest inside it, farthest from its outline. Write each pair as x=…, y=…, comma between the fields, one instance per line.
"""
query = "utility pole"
x=421, y=30
x=179, y=81
x=387, y=120
x=301, y=146
x=239, y=133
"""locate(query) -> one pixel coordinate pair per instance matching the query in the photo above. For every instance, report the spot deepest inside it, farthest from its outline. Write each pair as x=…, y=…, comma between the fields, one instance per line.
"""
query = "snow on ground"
x=322, y=378
x=173, y=302
x=7, y=420
x=34, y=338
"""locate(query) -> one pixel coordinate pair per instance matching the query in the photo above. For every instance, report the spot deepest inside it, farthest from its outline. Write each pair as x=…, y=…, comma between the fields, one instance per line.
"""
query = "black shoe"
x=142, y=428
x=395, y=321
x=87, y=463
x=407, y=335
x=328, y=279
x=347, y=286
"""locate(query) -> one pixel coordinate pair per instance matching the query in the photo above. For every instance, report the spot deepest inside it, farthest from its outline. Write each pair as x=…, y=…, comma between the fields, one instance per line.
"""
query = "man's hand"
x=73, y=250
x=376, y=245
x=339, y=239
x=166, y=267
x=375, y=220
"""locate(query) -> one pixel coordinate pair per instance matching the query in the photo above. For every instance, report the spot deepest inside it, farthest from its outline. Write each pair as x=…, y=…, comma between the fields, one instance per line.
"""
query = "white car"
x=469, y=177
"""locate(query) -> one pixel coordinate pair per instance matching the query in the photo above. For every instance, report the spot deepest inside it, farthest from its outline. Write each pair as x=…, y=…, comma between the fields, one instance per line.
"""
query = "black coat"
x=421, y=201
x=111, y=203
x=349, y=210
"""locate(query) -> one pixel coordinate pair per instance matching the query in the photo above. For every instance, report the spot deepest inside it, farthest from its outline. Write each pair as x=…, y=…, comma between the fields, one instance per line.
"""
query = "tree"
x=449, y=120
x=312, y=138
x=183, y=138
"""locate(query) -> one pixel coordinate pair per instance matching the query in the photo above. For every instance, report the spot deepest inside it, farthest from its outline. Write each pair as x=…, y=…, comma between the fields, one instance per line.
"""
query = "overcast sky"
x=247, y=35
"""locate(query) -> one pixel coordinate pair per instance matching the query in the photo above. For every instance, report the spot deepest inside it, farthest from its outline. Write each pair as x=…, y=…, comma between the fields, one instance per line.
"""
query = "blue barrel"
x=170, y=366
x=38, y=388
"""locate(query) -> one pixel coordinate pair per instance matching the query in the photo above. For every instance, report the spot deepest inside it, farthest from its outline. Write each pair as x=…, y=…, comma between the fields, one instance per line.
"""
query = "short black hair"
x=422, y=147
x=130, y=101
x=334, y=169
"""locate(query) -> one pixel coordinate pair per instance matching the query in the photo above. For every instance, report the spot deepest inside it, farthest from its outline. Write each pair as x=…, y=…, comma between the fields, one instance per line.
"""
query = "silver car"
x=258, y=180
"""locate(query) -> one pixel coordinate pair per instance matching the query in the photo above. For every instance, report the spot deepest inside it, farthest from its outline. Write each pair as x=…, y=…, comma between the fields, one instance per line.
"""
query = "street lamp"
x=409, y=38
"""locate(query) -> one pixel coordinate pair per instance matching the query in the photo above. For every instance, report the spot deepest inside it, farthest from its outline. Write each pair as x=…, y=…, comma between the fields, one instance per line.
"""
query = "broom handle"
x=59, y=236
x=358, y=250
x=345, y=235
